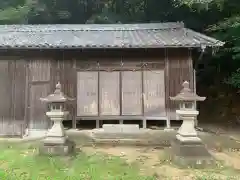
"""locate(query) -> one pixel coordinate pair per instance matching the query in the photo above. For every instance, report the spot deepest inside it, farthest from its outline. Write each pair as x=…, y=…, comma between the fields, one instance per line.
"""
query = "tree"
x=226, y=29
x=14, y=11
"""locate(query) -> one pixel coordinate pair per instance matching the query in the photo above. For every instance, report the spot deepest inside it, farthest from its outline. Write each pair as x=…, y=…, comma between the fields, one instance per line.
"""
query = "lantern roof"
x=186, y=94
x=58, y=96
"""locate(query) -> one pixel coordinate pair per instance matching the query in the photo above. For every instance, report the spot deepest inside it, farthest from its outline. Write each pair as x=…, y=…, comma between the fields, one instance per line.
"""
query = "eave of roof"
x=152, y=35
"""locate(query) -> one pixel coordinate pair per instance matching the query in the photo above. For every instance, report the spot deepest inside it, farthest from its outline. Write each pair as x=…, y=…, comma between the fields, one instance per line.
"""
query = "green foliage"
x=13, y=15
x=227, y=29
x=234, y=79
x=14, y=11
x=202, y=4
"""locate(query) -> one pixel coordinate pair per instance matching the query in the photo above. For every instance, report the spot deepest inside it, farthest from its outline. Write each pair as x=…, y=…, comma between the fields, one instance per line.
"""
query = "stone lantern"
x=187, y=113
x=56, y=142
x=188, y=148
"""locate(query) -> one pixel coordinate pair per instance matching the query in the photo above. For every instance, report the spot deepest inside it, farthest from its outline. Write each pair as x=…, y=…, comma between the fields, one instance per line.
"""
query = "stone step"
x=121, y=128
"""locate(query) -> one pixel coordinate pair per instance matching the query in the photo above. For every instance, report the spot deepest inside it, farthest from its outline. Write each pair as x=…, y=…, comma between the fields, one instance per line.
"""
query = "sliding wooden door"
x=109, y=93
x=87, y=98
x=132, y=93
x=154, y=93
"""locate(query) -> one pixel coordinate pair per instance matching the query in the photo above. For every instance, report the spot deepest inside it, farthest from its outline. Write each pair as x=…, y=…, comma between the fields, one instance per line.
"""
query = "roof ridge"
x=90, y=27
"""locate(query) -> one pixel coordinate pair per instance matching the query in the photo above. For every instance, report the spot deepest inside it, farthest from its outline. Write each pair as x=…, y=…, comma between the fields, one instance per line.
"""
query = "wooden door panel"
x=109, y=93
x=87, y=95
x=131, y=93
x=39, y=86
x=38, y=119
x=154, y=93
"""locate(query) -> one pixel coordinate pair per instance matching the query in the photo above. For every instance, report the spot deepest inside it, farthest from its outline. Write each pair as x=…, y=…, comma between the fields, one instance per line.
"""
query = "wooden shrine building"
x=114, y=71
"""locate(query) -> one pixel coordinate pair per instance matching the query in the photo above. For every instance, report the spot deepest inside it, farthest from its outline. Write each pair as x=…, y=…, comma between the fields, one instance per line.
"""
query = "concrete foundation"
x=121, y=128
x=103, y=134
x=64, y=149
x=191, y=154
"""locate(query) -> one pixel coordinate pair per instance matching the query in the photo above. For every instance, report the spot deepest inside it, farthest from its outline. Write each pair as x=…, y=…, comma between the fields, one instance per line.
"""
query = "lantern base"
x=191, y=154
x=51, y=149
x=183, y=138
x=55, y=140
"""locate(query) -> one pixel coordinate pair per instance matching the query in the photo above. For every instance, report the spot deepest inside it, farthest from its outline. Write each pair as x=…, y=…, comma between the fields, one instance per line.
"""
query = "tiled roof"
x=152, y=35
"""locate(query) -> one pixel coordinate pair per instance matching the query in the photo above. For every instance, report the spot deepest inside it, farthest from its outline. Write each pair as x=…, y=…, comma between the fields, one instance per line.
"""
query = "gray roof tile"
x=153, y=35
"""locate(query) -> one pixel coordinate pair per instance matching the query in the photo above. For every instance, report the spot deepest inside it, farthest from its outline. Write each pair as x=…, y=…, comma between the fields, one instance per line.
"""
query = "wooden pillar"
x=167, y=94
x=74, y=85
x=144, y=123
x=97, y=124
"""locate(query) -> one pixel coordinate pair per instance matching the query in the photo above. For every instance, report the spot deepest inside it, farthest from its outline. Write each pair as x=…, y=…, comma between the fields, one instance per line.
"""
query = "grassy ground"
x=156, y=162
x=22, y=162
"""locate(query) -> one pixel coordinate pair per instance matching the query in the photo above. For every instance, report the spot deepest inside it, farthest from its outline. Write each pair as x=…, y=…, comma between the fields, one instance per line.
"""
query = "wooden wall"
x=12, y=97
x=179, y=68
x=33, y=74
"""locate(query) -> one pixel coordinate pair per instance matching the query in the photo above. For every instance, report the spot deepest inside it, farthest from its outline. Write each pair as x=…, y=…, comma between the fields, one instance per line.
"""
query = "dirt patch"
x=154, y=161
x=229, y=158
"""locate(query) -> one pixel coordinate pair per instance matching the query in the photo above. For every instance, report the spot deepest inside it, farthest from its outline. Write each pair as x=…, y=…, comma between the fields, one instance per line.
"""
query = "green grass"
x=21, y=162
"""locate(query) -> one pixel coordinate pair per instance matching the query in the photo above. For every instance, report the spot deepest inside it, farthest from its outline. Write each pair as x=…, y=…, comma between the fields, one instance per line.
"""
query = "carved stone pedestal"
x=57, y=149
x=191, y=154
x=188, y=149
x=56, y=135
x=56, y=142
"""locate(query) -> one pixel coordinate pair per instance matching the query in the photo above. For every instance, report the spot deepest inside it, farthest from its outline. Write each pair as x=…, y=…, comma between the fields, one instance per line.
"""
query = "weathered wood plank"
x=37, y=109
x=19, y=89
x=131, y=93
x=87, y=96
x=39, y=86
x=12, y=90
x=180, y=70
x=11, y=128
x=39, y=70
x=5, y=89
x=109, y=93
x=154, y=93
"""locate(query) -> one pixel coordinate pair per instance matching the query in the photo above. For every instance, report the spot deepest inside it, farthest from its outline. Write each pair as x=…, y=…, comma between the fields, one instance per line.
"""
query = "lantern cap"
x=186, y=94
x=58, y=96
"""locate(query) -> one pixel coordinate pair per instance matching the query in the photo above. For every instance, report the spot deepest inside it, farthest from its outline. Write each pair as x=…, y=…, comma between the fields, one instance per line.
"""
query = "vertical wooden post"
x=74, y=121
x=98, y=96
x=167, y=94
x=195, y=89
x=26, y=110
x=144, y=121
x=120, y=96
x=97, y=124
